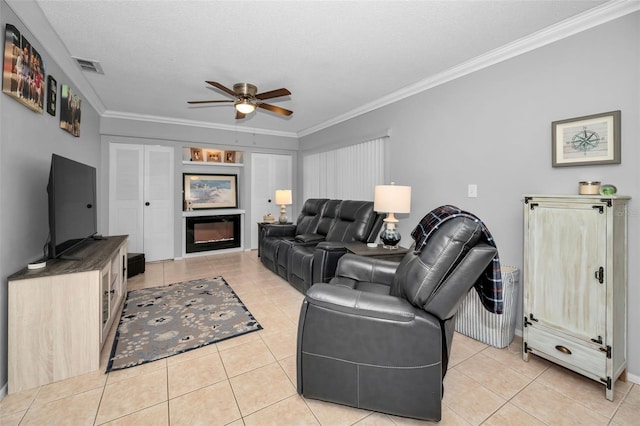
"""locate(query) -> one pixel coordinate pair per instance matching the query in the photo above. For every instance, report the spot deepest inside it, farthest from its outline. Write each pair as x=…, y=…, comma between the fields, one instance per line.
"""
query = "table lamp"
x=283, y=197
x=391, y=199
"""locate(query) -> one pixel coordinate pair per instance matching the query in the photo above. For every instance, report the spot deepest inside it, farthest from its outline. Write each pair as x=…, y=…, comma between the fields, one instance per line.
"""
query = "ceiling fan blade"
x=205, y=102
x=273, y=94
x=239, y=115
x=275, y=109
x=223, y=88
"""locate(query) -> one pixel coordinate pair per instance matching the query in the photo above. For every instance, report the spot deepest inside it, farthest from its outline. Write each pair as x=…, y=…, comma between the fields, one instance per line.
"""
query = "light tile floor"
x=250, y=380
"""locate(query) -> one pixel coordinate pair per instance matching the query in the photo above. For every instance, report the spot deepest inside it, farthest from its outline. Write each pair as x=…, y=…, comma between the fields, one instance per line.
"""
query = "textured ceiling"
x=334, y=56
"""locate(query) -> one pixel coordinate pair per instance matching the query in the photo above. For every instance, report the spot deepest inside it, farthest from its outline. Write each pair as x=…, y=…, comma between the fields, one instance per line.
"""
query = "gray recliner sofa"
x=378, y=335
x=326, y=225
x=272, y=236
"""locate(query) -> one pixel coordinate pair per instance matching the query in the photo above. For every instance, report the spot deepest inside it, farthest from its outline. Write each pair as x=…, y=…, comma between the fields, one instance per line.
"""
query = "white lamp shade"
x=392, y=199
x=283, y=196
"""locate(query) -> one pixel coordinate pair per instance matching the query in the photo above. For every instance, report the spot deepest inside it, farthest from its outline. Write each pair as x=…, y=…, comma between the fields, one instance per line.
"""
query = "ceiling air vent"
x=89, y=65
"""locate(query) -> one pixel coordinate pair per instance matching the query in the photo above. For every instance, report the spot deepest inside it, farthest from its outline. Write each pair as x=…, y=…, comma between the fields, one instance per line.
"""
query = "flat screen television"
x=72, y=205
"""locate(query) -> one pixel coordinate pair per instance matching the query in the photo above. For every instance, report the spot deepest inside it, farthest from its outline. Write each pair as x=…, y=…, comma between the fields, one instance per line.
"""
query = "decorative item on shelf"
x=213, y=156
x=283, y=197
x=268, y=218
x=188, y=205
x=608, y=189
x=391, y=199
x=589, y=187
x=229, y=156
x=196, y=154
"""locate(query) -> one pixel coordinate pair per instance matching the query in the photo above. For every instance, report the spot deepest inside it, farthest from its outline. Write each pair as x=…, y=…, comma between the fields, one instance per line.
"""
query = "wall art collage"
x=23, y=79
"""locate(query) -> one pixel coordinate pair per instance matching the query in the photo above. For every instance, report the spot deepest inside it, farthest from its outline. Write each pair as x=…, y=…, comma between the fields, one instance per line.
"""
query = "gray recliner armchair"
x=378, y=335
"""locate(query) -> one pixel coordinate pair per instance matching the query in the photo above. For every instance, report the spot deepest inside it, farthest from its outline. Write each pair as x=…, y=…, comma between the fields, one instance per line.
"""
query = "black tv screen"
x=72, y=204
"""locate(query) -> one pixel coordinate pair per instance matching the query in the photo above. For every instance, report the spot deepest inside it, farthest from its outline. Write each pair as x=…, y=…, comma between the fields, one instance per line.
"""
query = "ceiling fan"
x=247, y=98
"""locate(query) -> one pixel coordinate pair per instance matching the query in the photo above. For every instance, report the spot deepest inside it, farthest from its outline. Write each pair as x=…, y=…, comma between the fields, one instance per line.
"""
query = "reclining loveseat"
x=308, y=251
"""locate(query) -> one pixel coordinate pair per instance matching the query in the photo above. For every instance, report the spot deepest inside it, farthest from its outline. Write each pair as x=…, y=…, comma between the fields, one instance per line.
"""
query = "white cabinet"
x=59, y=316
x=268, y=173
x=141, y=194
x=575, y=284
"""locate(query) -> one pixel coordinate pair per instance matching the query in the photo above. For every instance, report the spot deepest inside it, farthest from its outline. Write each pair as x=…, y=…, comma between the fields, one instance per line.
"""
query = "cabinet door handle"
x=600, y=275
x=563, y=349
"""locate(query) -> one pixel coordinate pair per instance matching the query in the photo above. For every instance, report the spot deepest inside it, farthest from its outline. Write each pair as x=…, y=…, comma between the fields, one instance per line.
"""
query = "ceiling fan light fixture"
x=244, y=106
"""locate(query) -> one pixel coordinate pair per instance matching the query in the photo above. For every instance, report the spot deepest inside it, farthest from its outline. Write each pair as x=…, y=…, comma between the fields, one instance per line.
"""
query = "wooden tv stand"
x=60, y=315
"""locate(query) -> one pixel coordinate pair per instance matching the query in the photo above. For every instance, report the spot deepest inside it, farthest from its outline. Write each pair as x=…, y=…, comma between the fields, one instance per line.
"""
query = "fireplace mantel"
x=212, y=212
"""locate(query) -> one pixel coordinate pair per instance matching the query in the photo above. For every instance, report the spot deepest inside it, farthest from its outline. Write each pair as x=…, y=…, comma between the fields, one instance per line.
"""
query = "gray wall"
x=493, y=128
x=27, y=140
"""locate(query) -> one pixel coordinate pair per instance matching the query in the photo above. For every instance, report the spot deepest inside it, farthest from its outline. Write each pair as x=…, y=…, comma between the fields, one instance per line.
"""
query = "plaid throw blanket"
x=489, y=285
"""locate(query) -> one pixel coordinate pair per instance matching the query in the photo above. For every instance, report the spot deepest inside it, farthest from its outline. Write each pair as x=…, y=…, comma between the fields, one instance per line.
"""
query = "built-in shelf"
x=207, y=164
x=212, y=156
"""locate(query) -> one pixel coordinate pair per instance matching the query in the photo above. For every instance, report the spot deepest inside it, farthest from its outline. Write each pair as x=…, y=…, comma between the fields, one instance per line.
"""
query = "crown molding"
x=30, y=12
x=599, y=15
x=193, y=123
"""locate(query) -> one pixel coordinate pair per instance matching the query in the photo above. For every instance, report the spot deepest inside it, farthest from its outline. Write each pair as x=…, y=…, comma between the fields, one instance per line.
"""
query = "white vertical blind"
x=348, y=173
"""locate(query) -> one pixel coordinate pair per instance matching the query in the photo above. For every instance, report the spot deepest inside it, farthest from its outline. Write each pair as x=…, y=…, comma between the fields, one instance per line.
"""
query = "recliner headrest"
x=419, y=275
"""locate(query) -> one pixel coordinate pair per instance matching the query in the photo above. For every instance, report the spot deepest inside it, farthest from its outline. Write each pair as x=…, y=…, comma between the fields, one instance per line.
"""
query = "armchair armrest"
x=279, y=230
x=349, y=301
x=309, y=239
x=325, y=260
x=337, y=246
x=369, y=269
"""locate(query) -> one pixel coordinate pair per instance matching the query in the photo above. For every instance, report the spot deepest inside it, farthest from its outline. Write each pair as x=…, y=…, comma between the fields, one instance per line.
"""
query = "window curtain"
x=348, y=173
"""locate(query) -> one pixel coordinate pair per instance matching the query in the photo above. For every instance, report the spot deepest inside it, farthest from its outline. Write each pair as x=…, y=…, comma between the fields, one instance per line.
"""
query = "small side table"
x=362, y=249
x=261, y=226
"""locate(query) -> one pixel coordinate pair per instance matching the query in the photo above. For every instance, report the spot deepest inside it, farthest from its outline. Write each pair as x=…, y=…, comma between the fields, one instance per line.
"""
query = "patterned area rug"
x=163, y=321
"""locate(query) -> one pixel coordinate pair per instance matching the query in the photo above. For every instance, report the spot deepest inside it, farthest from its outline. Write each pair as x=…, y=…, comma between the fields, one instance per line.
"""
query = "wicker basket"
x=475, y=321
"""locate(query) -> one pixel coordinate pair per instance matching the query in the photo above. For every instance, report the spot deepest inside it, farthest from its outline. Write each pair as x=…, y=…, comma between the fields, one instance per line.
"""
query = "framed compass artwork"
x=589, y=140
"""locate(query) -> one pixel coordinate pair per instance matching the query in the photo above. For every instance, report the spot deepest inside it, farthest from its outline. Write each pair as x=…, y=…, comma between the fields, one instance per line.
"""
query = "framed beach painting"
x=208, y=191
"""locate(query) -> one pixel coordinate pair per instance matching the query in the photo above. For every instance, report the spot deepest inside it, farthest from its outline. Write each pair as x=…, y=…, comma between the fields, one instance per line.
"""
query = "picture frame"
x=197, y=154
x=587, y=140
x=70, y=110
x=210, y=191
x=229, y=156
x=52, y=93
x=213, y=156
x=23, y=70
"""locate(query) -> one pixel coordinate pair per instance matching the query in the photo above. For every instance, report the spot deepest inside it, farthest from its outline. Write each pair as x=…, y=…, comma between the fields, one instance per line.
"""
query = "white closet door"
x=126, y=164
x=141, y=198
x=158, y=203
x=268, y=173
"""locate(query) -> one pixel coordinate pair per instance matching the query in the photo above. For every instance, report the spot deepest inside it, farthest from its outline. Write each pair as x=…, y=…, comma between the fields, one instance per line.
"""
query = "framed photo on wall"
x=207, y=191
x=70, y=111
x=22, y=71
x=52, y=95
x=588, y=140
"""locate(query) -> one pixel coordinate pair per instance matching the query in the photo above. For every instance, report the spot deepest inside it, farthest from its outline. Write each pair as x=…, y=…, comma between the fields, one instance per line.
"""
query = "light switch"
x=472, y=190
